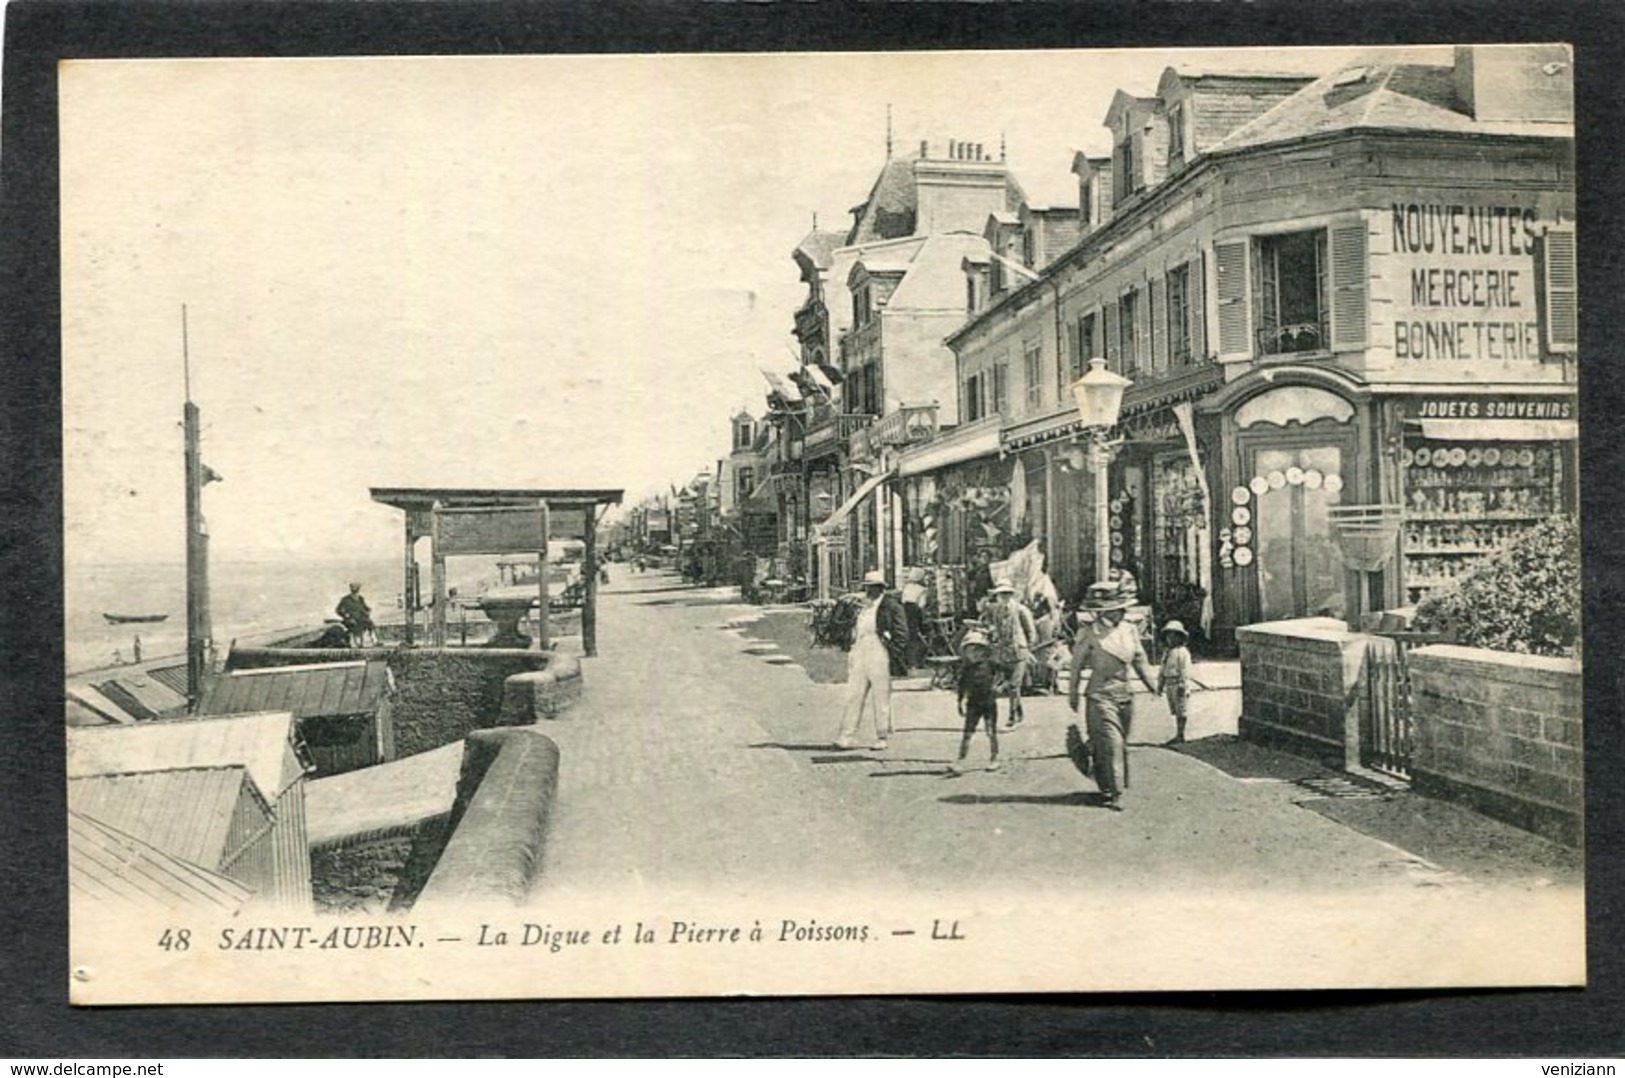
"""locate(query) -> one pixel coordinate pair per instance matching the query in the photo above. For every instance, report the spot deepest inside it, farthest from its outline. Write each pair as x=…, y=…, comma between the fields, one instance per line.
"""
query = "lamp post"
x=1099, y=394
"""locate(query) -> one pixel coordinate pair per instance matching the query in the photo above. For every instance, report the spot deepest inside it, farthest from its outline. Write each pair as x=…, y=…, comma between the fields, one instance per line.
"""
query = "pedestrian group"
x=996, y=656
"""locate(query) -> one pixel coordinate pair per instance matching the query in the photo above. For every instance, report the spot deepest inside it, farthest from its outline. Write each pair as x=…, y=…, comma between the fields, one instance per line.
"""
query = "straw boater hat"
x=1000, y=586
x=1175, y=627
x=1107, y=595
x=874, y=578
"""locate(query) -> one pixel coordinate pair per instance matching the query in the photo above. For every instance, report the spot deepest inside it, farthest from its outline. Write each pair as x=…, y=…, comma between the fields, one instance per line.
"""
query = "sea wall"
x=444, y=693
x=498, y=827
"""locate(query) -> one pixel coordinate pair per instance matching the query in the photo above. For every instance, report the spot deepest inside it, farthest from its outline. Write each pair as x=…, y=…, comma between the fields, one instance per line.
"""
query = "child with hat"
x=1173, y=678
x=978, y=697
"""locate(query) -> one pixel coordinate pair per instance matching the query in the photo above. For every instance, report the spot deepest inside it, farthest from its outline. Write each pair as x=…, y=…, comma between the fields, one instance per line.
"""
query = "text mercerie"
x=1502, y=233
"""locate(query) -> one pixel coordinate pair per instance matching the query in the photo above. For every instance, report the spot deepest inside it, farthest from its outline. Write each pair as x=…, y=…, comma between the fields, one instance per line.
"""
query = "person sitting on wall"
x=356, y=615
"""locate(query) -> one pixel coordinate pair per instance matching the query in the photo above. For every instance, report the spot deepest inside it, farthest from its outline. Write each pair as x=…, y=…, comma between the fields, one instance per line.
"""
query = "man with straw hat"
x=1108, y=647
x=880, y=630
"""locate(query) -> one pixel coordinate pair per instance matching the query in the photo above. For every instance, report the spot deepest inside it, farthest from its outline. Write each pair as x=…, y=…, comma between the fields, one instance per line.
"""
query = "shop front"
x=1473, y=471
x=1295, y=449
x=1456, y=472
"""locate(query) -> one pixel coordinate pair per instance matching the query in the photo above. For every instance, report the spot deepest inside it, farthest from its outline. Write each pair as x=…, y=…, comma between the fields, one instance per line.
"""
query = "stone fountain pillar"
x=507, y=611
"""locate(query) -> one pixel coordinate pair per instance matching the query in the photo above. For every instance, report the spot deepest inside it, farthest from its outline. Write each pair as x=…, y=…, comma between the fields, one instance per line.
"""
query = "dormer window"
x=1176, y=134
x=1124, y=169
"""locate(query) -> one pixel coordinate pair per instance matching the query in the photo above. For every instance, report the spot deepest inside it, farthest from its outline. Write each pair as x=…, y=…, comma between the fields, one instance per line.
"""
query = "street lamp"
x=1099, y=394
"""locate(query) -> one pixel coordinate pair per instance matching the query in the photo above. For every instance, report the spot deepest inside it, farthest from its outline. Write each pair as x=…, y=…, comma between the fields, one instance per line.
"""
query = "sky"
x=542, y=271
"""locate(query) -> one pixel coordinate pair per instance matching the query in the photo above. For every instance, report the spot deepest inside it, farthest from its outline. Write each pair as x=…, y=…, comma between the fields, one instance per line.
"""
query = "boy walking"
x=1173, y=678
x=978, y=697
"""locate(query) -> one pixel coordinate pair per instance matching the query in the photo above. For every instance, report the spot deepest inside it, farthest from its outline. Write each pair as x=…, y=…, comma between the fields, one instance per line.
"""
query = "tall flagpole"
x=199, y=632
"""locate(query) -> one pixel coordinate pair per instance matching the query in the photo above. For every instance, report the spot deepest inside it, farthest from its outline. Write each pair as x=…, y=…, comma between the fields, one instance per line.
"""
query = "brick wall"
x=1501, y=733
x=1300, y=687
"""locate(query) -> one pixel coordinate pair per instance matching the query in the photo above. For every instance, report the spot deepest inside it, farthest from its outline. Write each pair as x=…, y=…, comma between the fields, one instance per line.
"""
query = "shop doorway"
x=1299, y=566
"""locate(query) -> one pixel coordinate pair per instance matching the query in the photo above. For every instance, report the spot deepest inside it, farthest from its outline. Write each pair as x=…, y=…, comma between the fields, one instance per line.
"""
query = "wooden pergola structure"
x=498, y=520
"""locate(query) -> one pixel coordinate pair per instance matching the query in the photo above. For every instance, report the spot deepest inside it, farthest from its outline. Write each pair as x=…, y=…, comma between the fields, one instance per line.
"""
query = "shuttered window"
x=1349, y=281
x=971, y=398
x=1114, y=355
x=1179, y=316
x=1032, y=364
x=1156, y=313
x=1562, y=306
x=1198, y=308
x=1063, y=368
x=1088, y=345
x=1230, y=292
x=1001, y=387
x=1290, y=305
x=1128, y=335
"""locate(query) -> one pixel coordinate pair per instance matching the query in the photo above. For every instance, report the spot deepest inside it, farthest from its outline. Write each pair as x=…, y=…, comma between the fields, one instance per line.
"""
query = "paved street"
x=700, y=759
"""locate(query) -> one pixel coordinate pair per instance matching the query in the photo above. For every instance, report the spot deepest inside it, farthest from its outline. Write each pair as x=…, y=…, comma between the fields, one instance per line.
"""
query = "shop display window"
x=1464, y=500
x=1180, y=534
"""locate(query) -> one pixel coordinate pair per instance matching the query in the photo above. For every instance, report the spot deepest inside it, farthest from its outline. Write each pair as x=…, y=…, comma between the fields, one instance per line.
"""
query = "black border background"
x=35, y=1019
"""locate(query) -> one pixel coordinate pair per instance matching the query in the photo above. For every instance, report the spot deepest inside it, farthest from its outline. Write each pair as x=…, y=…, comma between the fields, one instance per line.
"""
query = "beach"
x=247, y=598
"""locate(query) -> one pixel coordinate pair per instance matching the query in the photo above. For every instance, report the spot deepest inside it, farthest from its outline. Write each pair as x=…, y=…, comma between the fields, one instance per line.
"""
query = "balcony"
x=911, y=424
x=1297, y=337
x=834, y=428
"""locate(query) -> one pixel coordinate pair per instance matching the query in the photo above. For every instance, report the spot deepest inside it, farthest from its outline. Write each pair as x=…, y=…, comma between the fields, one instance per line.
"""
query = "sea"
x=246, y=599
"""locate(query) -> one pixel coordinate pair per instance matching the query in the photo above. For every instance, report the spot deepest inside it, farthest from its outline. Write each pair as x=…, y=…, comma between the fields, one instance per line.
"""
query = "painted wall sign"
x=1470, y=407
x=1464, y=282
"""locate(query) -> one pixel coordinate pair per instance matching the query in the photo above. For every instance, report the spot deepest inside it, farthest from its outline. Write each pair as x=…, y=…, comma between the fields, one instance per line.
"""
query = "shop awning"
x=846, y=507
x=1501, y=430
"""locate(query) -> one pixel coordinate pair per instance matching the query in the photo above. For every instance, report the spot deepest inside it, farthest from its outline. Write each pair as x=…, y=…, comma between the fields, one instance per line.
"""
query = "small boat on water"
x=133, y=619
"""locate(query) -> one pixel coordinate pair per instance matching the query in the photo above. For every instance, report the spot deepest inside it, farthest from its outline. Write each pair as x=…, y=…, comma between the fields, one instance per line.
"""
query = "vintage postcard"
x=821, y=524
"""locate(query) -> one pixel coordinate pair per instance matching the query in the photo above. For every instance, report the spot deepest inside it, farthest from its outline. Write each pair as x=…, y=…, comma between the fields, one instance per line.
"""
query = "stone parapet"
x=541, y=694
x=1301, y=688
x=1501, y=733
x=499, y=824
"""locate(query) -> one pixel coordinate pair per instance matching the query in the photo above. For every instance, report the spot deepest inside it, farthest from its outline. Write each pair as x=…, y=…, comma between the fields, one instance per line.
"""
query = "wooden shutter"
x=1065, y=363
x=1142, y=329
x=1156, y=313
x=1114, y=361
x=1349, y=285
x=1562, y=306
x=1196, y=285
x=1230, y=293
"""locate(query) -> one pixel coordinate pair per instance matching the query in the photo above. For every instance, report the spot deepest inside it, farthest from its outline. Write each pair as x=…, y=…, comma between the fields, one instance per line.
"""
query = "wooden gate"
x=1388, y=734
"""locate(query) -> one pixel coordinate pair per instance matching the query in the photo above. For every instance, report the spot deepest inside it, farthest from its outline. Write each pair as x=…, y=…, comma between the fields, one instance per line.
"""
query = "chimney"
x=1515, y=82
x=925, y=149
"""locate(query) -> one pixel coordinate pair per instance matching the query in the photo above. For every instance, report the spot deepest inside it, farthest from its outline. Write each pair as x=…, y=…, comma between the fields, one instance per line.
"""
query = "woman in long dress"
x=1108, y=648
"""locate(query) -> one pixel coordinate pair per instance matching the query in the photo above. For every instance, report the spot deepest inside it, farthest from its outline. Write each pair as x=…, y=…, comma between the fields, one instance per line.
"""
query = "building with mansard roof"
x=878, y=304
x=1348, y=291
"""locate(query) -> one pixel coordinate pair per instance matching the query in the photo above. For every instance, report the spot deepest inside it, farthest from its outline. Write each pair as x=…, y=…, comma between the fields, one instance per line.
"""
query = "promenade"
x=700, y=759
